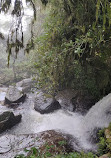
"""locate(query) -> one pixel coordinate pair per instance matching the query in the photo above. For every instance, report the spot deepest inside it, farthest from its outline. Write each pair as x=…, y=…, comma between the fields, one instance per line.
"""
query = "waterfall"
x=81, y=128
x=99, y=116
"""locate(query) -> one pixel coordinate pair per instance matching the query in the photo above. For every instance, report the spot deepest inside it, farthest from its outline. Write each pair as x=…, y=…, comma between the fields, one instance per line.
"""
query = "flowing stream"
x=80, y=127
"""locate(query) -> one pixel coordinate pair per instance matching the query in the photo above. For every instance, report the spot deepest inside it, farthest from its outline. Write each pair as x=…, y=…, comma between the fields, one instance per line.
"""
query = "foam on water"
x=100, y=114
x=34, y=122
x=2, y=94
x=80, y=127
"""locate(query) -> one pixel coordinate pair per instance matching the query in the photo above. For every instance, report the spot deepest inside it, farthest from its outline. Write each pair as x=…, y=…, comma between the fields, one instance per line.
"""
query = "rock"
x=8, y=120
x=74, y=101
x=26, y=84
x=82, y=103
x=52, y=141
x=94, y=137
x=14, y=95
x=64, y=98
x=105, y=156
x=108, y=137
x=45, y=104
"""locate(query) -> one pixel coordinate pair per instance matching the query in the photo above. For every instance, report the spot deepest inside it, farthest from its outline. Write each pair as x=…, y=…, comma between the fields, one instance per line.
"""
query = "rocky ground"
x=12, y=145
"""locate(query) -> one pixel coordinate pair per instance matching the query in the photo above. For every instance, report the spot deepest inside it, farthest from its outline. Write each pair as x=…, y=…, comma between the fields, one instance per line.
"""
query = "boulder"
x=47, y=141
x=54, y=143
x=44, y=103
x=105, y=156
x=8, y=120
x=74, y=100
x=82, y=102
x=14, y=95
x=26, y=84
x=64, y=98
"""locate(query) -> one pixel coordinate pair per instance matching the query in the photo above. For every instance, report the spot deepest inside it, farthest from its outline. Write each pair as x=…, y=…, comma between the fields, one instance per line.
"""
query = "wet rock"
x=94, y=135
x=74, y=101
x=105, y=156
x=45, y=103
x=14, y=95
x=82, y=103
x=26, y=84
x=108, y=134
x=8, y=120
x=52, y=141
x=64, y=98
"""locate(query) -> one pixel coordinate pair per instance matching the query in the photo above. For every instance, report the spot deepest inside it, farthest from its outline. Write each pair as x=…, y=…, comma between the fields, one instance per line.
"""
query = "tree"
x=75, y=46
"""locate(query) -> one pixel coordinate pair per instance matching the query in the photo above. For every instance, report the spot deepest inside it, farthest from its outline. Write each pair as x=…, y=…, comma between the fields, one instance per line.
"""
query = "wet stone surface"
x=64, y=98
x=8, y=120
x=12, y=145
x=14, y=95
x=45, y=104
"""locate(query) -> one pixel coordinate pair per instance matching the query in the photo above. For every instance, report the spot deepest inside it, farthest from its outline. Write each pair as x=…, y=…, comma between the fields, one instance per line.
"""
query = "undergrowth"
x=36, y=154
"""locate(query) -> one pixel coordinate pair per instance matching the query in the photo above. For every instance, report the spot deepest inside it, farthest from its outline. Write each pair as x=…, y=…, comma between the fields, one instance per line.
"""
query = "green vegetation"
x=105, y=141
x=70, y=155
x=102, y=143
x=34, y=153
x=74, y=50
x=22, y=68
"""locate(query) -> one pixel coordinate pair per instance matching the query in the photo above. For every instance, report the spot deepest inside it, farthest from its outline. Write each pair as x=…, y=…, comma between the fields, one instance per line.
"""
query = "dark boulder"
x=8, y=120
x=14, y=95
x=64, y=98
x=45, y=104
x=75, y=101
x=82, y=103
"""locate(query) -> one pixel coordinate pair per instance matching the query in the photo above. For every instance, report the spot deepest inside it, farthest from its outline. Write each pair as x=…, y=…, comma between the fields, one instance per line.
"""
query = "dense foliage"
x=105, y=141
x=65, y=155
x=74, y=50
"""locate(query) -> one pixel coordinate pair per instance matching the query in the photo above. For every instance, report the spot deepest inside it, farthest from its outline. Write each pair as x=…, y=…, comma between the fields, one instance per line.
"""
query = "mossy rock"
x=105, y=156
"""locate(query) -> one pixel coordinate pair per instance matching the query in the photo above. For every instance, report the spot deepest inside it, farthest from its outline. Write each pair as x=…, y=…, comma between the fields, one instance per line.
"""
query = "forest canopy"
x=74, y=49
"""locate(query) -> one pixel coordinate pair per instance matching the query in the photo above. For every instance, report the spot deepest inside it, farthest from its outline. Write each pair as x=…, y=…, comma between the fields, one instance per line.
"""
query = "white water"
x=80, y=127
x=100, y=114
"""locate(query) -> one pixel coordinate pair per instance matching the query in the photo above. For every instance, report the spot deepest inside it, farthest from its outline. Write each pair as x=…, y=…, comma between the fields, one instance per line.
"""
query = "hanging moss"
x=15, y=38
